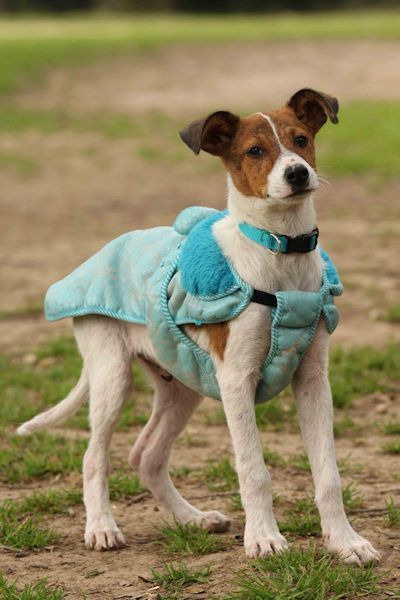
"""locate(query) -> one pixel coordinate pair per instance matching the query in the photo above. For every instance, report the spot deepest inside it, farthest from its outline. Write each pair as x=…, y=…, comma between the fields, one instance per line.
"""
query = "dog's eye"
x=255, y=151
x=301, y=141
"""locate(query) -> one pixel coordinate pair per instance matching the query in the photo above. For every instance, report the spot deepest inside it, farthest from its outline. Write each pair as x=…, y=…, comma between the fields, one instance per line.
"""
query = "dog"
x=271, y=172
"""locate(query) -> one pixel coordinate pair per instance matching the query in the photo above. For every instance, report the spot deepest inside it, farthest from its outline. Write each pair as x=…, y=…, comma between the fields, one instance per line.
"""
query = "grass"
x=392, y=428
x=123, y=486
x=40, y=590
x=365, y=141
x=220, y=475
x=301, y=519
x=28, y=47
x=392, y=447
x=23, y=459
x=22, y=531
x=393, y=314
x=352, y=497
x=28, y=310
x=304, y=575
x=393, y=513
x=190, y=540
x=363, y=370
x=178, y=576
x=21, y=521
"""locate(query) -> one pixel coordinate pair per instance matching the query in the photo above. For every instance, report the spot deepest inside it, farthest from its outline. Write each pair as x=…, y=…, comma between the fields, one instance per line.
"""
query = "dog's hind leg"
x=108, y=365
x=173, y=406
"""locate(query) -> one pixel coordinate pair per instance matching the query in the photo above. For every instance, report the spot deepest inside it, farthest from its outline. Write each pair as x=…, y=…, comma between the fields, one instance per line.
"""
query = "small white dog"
x=271, y=177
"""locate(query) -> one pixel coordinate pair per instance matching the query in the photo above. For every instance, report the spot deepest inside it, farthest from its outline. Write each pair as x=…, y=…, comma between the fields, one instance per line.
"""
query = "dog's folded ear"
x=313, y=108
x=212, y=134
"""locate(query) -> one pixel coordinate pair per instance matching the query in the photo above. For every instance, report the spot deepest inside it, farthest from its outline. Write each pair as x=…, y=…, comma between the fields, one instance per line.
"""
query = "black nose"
x=297, y=176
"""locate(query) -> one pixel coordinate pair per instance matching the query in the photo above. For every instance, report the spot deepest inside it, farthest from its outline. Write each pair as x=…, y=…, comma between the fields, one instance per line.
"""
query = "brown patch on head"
x=250, y=173
x=217, y=333
x=289, y=128
x=249, y=147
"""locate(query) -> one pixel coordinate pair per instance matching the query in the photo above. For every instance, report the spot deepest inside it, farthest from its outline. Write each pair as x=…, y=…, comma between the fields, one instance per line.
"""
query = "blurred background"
x=92, y=96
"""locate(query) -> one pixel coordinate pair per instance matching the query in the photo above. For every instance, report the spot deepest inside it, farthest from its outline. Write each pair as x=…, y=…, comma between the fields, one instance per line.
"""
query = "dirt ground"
x=88, y=191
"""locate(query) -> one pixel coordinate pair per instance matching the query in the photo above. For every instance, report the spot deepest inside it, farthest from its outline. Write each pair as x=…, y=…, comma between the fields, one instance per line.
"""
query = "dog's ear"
x=313, y=108
x=212, y=134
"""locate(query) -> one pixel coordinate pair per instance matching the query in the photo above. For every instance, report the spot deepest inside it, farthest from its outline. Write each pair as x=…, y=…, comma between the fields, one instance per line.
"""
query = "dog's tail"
x=61, y=411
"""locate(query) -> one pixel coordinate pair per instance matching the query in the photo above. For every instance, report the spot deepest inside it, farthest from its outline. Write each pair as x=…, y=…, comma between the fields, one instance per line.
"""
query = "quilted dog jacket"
x=167, y=277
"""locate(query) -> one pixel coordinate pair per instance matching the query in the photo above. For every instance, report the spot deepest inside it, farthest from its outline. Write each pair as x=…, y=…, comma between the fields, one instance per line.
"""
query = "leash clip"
x=278, y=245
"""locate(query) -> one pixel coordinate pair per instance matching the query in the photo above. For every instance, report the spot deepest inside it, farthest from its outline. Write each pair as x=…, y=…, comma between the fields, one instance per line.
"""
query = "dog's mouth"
x=300, y=193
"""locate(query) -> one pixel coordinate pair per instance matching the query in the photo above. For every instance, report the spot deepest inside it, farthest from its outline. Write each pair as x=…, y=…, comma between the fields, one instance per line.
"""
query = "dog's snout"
x=297, y=176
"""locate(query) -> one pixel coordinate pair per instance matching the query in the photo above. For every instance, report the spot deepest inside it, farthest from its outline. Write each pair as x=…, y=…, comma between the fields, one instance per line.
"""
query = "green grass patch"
x=41, y=590
x=190, y=539
x=29, y=310
x=365, y=141
x=25, y=166
x=273, y=459
x=393, y=513
x=301, y=519
x=300, y=462
x=305, y=575
x=392, y=447
x=392, y=428
x=220, y=475
x=274, y=414
x=28, y=47
x=50, y=502
x=352, y=497
x=23, y=531
x=364, y=370
x=392, y=314
x=174, y=577
x=23, y=459
x=122, y=485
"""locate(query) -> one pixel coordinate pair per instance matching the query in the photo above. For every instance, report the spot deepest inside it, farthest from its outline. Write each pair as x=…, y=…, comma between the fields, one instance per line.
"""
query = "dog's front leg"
x=315, y=411
x=261, y=535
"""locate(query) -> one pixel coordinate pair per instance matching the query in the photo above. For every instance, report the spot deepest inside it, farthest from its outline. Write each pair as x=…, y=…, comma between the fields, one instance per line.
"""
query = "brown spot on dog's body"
x=218, y=334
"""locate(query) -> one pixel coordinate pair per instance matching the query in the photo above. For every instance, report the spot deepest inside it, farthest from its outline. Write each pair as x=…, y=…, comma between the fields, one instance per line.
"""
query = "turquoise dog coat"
x=167, y=277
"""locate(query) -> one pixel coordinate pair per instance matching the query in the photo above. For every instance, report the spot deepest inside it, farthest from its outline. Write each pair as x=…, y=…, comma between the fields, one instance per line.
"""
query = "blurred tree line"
x=194, y=6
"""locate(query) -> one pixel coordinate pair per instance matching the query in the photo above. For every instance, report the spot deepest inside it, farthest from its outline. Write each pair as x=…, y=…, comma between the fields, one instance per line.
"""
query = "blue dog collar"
x=281, y=243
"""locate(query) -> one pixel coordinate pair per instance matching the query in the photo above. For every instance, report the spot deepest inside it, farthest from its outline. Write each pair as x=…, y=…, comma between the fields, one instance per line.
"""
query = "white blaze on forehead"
x=282, y=148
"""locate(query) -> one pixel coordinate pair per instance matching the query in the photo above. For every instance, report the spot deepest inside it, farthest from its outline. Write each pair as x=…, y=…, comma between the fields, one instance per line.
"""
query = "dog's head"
x=268, y=155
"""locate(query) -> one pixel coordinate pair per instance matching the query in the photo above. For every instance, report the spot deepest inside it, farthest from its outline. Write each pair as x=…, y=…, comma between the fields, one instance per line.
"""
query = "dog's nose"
x=296, y=176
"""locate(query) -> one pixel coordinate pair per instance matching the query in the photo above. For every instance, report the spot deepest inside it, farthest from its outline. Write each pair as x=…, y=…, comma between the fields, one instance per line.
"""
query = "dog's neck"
x=282, y=218
x=252, y=261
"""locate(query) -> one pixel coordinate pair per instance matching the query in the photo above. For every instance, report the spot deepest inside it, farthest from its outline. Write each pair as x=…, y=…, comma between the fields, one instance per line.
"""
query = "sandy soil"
x=88, y=190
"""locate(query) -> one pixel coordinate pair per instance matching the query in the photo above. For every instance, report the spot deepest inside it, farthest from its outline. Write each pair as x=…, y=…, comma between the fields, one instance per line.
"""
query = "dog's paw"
x=211, y=521
x=352, y=548
x=259, y=544
x=104, y=539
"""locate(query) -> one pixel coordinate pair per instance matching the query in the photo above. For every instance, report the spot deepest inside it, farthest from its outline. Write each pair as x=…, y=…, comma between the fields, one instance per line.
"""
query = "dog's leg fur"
x=315, y=413
x=238, y=376
x=173, y=406
x=107, y=361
